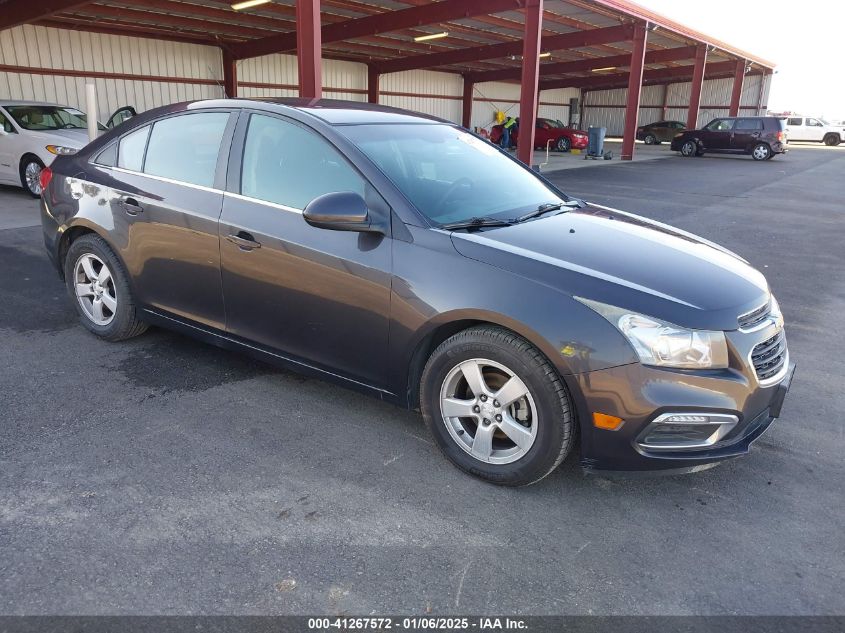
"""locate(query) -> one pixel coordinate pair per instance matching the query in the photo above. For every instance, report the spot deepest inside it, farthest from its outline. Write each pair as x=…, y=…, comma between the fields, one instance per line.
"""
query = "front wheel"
x=496, y=406
x=563, y=144
x=689, y=148
x=761, y=151
x=31, y=167
x=831, y=139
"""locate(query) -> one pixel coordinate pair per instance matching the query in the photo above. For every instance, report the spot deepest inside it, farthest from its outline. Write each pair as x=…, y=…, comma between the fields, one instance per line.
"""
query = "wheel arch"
x=73, y=233
x=447, y=325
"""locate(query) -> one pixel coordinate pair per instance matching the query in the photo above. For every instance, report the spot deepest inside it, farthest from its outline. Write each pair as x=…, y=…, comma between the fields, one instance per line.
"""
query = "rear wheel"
x=99, y=288
x=761, y=151
x=689, y=148
x=496, y=406
x=31, y=167
x=563, y=144
x=650, y=139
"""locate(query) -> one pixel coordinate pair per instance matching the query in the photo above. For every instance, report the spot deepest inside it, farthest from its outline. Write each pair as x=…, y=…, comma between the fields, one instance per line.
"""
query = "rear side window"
x=795, y=121
x=108, y=157
x=289, y=165
x=130, y=153
x=186, y=147
x=749, y=124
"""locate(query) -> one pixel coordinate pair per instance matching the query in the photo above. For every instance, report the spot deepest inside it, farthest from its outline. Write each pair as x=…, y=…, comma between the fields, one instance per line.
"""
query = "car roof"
x=10, y=102
x=331, y=111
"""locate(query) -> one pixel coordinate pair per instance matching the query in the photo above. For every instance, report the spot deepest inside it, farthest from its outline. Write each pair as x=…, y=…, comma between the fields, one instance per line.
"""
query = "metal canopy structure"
x=540, y=44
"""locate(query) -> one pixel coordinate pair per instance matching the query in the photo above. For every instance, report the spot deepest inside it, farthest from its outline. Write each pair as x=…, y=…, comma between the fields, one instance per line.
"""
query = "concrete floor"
x=164, y=476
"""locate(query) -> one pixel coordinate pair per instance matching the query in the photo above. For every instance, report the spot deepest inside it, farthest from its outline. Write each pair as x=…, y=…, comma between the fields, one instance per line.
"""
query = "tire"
x=116, y=318
x=832, y=139
x=689, y=149
x=540, y=417
x=651, y=139
x=563, y=144
x=30, y=172
x=761, y=151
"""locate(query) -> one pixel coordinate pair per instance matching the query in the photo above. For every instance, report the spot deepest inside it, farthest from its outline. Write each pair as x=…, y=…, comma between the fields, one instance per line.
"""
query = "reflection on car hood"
x=628, y=261
x=70, y=138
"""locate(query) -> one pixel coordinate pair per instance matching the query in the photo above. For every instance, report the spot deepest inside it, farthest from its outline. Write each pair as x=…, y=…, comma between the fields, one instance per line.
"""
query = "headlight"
x=664, y=344
x=61, y=150
x=679, y=135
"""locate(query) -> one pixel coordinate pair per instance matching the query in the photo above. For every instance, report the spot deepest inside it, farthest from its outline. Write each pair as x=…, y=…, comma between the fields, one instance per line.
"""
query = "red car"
x=562, y=138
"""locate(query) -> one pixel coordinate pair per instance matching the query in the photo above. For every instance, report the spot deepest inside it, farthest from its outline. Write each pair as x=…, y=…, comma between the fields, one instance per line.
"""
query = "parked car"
x=761, y=137
x=659, y=131
x=32, y=134
x=548, y=131
x=804, y=128
x=399, y=255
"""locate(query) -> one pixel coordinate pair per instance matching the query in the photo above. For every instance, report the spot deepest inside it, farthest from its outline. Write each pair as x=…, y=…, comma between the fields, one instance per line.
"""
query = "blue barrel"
x=595, y=145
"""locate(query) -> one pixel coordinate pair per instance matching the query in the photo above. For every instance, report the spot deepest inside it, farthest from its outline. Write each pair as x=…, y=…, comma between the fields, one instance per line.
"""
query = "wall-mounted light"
x=248, y=4
x=431, y=36
x=598, y=70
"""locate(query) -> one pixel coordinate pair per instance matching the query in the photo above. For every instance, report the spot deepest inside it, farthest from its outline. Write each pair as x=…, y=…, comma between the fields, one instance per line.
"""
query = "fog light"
x=683, y=431
x=607, y=422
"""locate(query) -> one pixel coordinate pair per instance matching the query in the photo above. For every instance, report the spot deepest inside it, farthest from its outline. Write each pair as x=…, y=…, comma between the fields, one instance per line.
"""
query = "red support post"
x=697, y=84
x=635, y=84
x=309, y=49
x=372, y=84
x=230, y=74
x=466, y=113
x=739, y=79
x=529, y=99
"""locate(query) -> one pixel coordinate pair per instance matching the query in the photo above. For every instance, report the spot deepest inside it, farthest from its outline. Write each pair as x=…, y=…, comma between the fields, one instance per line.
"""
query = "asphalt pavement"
x=164, y=476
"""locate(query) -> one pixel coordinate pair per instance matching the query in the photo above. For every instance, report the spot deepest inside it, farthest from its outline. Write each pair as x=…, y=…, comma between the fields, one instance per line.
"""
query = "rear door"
x=747, y=132
x=315, y=295
x=717, y=134
x=8, y=159
x=166, y=194
x=795, y=130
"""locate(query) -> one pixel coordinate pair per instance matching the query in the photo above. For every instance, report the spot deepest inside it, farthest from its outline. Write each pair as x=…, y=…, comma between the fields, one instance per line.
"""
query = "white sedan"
x=33, y=134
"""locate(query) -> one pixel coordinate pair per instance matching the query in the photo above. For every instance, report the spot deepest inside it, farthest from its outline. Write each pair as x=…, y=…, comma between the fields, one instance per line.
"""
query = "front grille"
x=755, y=317
x=769, y=356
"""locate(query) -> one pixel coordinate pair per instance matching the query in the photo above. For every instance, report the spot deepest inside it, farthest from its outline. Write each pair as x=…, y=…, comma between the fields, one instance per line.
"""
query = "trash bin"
x=595, y=146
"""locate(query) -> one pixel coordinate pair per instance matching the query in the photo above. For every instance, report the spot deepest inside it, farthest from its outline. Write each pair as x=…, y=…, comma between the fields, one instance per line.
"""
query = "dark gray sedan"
x=402, y=256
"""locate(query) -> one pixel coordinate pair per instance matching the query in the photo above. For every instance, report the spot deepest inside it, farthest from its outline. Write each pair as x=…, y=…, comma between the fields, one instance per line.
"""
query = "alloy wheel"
x=761, y=152
x=32, y=175
x=488, y=411
x=95, y=289
x=688, y=148
x=649, y=139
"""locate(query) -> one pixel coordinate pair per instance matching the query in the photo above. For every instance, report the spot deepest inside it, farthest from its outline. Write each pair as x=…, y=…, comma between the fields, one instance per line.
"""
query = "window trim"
x=238, y=150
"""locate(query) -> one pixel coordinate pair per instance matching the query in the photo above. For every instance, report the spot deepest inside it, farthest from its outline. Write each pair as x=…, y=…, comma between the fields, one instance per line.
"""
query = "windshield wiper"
x=475, y=223
x=550, y=206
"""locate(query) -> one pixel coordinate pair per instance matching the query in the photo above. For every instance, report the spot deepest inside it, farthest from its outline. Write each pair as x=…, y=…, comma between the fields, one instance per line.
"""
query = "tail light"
x=45, y=178
x=781, y=136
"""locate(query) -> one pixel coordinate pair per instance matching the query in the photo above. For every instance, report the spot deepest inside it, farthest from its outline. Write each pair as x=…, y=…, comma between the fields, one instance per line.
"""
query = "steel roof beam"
x=385, y=22
x=17, y=12
x=575, y=39
x=620, y=80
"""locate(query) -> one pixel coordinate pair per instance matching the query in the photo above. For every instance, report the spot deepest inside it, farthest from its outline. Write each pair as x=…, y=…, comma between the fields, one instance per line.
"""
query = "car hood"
x=627, y=261
x=74, y=138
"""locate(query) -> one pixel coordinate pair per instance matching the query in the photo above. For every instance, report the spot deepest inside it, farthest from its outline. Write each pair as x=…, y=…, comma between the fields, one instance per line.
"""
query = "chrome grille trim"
x=770, y=359
x=756, y=318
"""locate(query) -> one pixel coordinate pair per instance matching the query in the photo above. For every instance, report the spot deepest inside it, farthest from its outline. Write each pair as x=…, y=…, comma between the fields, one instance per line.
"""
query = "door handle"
x=131, y=206
x=244, y=241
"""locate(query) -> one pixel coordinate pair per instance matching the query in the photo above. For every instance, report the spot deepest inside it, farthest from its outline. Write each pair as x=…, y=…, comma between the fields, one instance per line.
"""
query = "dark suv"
x=760, y=136
x=402, y=256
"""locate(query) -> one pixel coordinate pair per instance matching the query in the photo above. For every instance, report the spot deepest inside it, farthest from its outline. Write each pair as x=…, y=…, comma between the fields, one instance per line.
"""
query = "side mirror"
x=341, y=211
x=3, y=131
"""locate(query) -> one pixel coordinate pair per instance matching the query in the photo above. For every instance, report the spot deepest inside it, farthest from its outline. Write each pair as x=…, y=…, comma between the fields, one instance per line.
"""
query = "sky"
x=805, y=39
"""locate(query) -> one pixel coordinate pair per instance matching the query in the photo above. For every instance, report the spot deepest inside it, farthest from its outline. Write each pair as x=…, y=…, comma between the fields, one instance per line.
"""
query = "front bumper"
x=639, y=394
x=580, y=143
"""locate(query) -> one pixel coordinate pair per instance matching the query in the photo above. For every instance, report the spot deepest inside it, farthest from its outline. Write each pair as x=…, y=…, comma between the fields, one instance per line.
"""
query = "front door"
x=717, y=134
x=795, y=130
x=813, y=130
x=166, y=195
x=317, y=296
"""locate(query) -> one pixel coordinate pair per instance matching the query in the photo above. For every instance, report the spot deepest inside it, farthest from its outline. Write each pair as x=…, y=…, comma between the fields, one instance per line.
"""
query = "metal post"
x=739, y=79
x=91, y=109
x=466, y=112
x=309, y=48
x=762, y=95
x=635, y=82
x=697, y=84
x=528, y=100
x=372, y=84
x=230, y=74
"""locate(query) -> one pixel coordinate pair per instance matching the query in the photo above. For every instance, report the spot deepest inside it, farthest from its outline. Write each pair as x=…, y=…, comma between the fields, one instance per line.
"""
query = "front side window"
x=451, y=175
x=186, y=147
x=289, y=165
x=45, y=117
x=814, y=123
x=130, y=152
x=7, y=125
x=721, y=125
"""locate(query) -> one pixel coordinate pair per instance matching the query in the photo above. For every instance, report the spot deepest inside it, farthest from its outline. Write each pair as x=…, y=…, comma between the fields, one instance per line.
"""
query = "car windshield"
x=46, y=117
x=553, y=123
x=449, y=174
